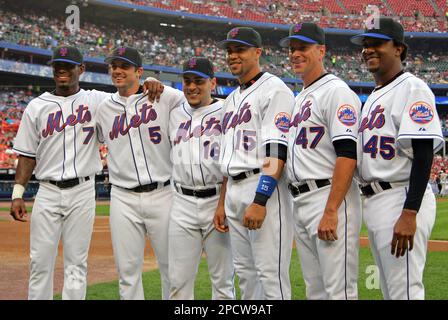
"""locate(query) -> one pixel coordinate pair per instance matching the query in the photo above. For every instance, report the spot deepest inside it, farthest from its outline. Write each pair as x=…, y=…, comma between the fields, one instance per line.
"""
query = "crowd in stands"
x=12, y=103
x=163, y=49
x=415, y=15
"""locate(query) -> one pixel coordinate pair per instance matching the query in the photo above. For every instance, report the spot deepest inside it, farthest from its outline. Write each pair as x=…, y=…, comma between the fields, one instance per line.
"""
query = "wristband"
x=266, y=185
x=260, y=199
x=17, y=192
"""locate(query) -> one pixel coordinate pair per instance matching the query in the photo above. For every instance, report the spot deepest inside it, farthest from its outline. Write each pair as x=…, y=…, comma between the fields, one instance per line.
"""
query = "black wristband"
x=261, y=199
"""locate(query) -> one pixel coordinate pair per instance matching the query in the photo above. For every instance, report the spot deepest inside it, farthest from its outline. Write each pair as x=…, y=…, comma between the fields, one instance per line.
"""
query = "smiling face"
x=243, y=61
x=124, y=74
x=380, y=55
x=305, y=57
x=66, y=75
x=198, y=90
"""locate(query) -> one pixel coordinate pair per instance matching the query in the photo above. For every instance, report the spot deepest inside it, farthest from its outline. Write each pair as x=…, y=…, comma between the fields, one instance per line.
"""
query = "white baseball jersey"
x=326, y=111
x=392, y=116
x=195, y=136
x=253, y=118
x=133, y=130
x=60, y=133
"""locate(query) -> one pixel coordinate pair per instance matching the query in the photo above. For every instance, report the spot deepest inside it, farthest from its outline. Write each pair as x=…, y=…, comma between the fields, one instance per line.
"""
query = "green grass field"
x=435, y=279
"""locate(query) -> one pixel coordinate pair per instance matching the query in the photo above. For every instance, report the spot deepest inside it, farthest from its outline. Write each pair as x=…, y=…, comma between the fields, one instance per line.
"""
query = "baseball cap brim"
x=360, y=37
x=285, y=41
x=202, y=75
x=224, y=43
x=64, y=60
x=110, y=59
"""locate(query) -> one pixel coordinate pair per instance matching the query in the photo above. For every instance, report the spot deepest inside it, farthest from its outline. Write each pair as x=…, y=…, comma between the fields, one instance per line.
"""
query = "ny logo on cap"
x=297, y=27
x=121, y=51
x=234, y=32
x=192, y=63
x=63, y=52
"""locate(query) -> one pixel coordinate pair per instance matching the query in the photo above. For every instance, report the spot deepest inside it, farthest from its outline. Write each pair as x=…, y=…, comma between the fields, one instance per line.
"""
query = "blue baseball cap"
x=199, y=66
x=67, y=54
x=307, y=32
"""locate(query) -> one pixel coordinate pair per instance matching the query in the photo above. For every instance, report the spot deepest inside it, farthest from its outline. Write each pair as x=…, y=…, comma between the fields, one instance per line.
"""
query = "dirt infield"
x=14, y=258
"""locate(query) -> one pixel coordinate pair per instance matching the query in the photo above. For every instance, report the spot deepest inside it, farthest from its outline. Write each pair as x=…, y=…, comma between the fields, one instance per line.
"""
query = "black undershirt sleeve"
x=277, y=150
x=345, y=148
x=274, y=150
x=420, y=171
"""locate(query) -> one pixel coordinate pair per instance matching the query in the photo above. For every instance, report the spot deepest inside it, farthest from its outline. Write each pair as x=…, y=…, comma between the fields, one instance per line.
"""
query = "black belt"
x=297, y=190
x=65, y=184
x=203, y=193
x=147, y=187
x=369, y=191
x=245, y=174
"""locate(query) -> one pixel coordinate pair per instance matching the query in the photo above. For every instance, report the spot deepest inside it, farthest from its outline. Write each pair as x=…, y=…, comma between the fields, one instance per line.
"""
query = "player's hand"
x=154, y=89
x=328, y=226
x=254, y=216
x=219, y=220
x=18, y=210
x=404, y=231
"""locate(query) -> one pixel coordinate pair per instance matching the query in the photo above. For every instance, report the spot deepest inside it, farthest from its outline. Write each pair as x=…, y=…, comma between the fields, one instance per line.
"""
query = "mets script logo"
x=347, y=115
x=421, y=112
x=192, y=63
x=297, y=27
x=282, y=121
x=233, y=32
x=121, y=51
x=63, y=52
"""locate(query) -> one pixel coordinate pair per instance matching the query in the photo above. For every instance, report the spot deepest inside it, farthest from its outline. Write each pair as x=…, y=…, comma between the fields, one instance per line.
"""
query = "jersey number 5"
x=154, y=134
x=386, y=147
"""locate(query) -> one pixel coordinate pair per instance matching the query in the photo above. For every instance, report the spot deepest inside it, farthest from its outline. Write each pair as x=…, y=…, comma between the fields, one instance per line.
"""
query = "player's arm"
x=219, y=219
x=342, y=178
x=406, y=225
x=24, y=171
x=154, y=88
x=272, y=171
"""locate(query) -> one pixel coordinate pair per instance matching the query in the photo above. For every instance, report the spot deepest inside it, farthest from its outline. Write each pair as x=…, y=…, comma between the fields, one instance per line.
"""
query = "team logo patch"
x=121, y=51
x=347, y=115
x=234, y=32
x=282, y=120
x=297, y=27
x=421, y=112
x=192, y=63
x=63, y=52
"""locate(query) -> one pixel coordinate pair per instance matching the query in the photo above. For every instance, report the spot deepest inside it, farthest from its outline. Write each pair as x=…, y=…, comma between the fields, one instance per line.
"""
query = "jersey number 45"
x=385, y=148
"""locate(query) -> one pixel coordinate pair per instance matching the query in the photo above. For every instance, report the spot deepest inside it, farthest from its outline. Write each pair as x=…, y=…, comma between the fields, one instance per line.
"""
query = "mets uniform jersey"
x=60, y=133
x=133, y=129
x=253, y=118
x=195, y=138
x=326, y=111
x=392, y=116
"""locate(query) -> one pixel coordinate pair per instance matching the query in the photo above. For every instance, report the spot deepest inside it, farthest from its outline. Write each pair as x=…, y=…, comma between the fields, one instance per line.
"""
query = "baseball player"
x=321, y=163
x=399, y=131
x=255, y=129
x=195, y=133
x=136, y=134
x=57, y=139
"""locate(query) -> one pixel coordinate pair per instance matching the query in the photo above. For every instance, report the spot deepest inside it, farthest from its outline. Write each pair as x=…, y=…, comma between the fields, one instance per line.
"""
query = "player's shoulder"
x=413, y=82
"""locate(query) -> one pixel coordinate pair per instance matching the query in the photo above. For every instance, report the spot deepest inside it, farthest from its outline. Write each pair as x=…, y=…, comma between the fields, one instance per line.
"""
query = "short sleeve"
x=277, y=116
x=342, y=113
x=419, y=120
x=27, y=138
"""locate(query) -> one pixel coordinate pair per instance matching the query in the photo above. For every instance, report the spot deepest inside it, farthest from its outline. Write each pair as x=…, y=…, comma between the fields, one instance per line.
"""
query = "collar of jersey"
x=315, y=81
x=389, y=81
x=246, y=85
